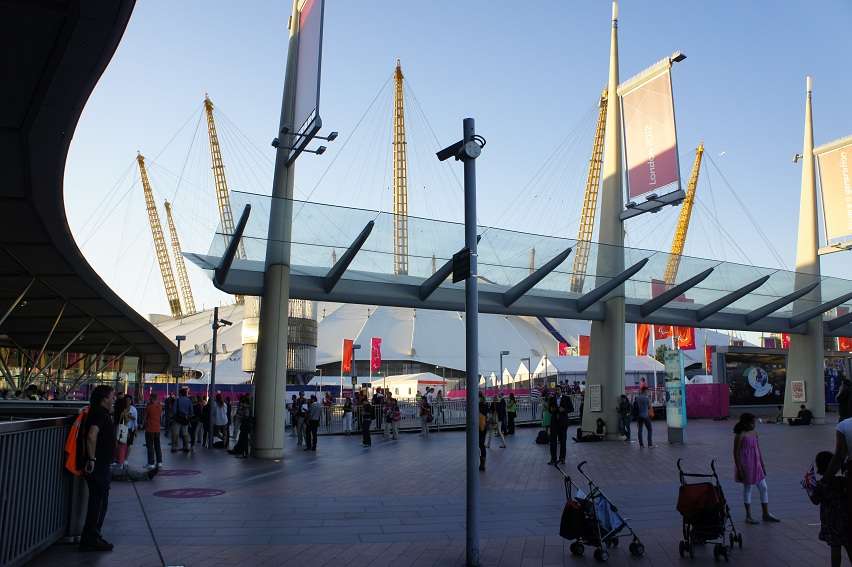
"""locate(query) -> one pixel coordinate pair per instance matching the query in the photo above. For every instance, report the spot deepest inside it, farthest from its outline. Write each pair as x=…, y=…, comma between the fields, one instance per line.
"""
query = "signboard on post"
x=650, y=136
x=797, y=390
x=595, y=397
x=306, y=117
x=675, y=396
x=835, y=182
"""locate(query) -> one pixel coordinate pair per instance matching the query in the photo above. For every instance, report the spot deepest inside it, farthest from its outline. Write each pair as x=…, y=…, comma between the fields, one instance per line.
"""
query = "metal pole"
x=500, y=370
x=471, y=353
x=212, y=394
x=179, y=361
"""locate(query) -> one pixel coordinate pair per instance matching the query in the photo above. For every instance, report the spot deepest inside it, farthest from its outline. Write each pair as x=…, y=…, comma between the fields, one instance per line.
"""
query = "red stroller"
x=706, y=515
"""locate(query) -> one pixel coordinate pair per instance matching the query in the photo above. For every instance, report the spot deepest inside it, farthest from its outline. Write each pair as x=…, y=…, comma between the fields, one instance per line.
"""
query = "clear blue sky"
x=530, y=73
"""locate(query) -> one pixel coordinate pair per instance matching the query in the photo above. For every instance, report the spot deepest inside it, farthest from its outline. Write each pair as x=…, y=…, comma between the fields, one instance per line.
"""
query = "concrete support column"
x=606, y=359
x=807, y=351
x=270, y=376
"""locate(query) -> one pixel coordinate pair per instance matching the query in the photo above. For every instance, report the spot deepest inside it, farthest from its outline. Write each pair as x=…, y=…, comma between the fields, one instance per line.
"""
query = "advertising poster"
x=675, y=395
x=797, y=389
x=756, y=379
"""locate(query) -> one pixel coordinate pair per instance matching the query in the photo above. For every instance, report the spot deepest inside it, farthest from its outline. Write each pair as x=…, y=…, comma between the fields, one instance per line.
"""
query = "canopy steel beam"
x=769, y=308
x=589, y=299
x=221, y=271
x=339, y=268
x=723, y=302
x=838, y=322
x=64, y=349
x=797, y=320
x=17, y=301
x=49, y=336
x=435, y=280
x=673, y=293
x=526, y=284
x=653, y=205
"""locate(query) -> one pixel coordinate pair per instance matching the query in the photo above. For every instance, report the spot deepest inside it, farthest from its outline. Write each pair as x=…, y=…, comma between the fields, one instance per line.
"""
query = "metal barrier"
x=447, y=414
x=35, y=490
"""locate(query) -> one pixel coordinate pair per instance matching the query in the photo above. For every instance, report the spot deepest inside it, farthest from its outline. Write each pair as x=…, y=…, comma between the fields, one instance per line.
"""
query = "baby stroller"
x=592, y=519
x=706, y=515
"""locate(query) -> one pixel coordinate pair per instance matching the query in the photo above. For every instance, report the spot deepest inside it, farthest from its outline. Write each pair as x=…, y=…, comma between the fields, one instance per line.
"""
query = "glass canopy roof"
x=321, y=233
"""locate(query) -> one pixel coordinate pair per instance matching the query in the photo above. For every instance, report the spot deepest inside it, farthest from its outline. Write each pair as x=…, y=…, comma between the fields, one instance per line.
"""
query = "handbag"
x=123, y=432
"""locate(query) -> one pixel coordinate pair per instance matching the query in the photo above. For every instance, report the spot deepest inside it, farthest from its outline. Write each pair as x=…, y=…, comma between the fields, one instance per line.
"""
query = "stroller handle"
x=679, y=468
x=713, y=466
x=580, y=468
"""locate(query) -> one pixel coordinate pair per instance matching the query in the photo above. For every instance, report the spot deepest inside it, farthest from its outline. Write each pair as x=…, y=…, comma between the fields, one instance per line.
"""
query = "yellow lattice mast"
x=223, y=198
x=590, y=201
x=159, y=241
x=183, y=278
x=683, y=220
x=400, y=179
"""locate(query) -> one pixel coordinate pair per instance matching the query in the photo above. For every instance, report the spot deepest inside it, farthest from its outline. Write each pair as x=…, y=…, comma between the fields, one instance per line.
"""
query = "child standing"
x=829, y=494
x=750, y=470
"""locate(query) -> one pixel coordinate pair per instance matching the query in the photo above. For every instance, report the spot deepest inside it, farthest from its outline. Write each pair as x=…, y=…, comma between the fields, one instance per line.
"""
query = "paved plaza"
x=402, y=503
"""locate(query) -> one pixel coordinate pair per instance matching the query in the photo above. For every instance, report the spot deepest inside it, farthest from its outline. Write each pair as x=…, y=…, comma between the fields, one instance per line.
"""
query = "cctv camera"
x=450, y=151
x=225, y=322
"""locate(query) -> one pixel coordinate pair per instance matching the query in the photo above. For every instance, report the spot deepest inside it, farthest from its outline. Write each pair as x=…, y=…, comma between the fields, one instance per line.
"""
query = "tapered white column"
x=606, y=359
x=806, y=354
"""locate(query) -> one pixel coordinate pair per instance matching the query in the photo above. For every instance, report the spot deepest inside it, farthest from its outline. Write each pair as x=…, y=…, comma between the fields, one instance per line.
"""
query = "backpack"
x=74, y=444
x=542, y=438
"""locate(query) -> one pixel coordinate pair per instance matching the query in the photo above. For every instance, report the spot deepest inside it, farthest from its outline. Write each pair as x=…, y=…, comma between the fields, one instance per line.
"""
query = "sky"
x=529, y=73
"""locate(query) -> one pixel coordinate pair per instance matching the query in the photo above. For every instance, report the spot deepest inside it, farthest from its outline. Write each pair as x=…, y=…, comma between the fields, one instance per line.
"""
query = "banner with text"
x=346, y=357
x=650, y=136
x=835, y=183
x=375, y=354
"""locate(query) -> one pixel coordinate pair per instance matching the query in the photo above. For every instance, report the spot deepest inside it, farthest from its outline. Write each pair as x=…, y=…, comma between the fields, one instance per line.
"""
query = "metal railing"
x=447, y=414
x=35, y=490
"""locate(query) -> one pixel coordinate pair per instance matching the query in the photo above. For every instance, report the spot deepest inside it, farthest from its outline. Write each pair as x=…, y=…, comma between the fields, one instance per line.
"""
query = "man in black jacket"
x=98, y=438
x=559, y=428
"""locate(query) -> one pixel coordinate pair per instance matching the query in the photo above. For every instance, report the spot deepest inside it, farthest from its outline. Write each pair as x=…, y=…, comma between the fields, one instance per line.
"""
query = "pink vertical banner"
x=375, y=354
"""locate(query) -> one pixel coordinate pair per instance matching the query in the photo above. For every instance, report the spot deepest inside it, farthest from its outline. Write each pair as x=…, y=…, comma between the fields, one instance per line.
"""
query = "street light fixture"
x=502, y=354
x=216, y=325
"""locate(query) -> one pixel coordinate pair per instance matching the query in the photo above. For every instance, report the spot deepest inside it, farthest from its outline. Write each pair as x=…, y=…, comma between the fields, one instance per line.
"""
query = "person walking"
x=558, y=429
x=151, y=422
x=439, y=407
x=502, y=414
x=394, y=416
x=98, y=436
x=829, y=493
x=844, y=400
x=511, y=413
x=132, y=423
x=750, y=470
x=301, y=417
x=180, y=421
x=379, y=406
x=314, y=416
x=494, y=425
x=220, y=421
x=642, y=409
x=387, y=409
x=327, y=403
x=196, y=426
x=625, y=412
x=121, y=415
x=367, y=415
x=291, y=409
x=843, y=457
x=425, y=416
x=347, y=415
x=205, y=422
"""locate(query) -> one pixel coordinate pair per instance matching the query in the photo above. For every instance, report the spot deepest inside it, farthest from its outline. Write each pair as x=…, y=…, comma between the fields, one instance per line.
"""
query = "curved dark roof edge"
x=84, y=48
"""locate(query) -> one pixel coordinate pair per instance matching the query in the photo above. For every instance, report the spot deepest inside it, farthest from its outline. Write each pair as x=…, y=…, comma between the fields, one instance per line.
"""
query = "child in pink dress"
x=750, y=470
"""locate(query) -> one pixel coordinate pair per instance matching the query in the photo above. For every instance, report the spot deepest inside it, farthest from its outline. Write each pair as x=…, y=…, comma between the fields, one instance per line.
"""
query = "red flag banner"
x=785, y=341
x=643, y=333
x=662, y=332
x=562, y=349
x=346, y=357
x=585, y=345
x=708, y=359
x=375, y=354
x=685, y=338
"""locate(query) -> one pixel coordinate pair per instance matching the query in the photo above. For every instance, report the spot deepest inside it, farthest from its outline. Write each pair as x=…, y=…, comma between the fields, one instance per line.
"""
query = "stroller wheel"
x=577, y=548
x=724, y=552
x=740, y=540
x=614, y=542
x=638, y=550
x=717, y=551
x=601, y=555
x=681, y=548
x=731, y=540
